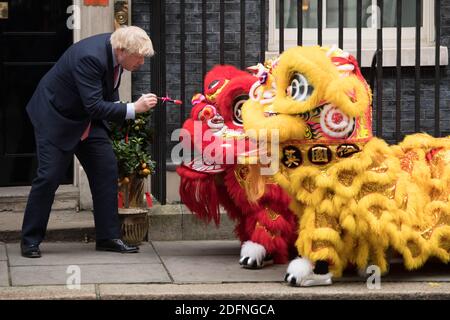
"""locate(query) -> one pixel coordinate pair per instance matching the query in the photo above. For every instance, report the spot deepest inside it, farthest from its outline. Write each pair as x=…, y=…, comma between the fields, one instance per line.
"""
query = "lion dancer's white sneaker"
x=300, y=273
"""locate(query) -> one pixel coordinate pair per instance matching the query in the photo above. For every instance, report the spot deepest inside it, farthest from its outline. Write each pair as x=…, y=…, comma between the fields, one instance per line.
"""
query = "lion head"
x=311, y=95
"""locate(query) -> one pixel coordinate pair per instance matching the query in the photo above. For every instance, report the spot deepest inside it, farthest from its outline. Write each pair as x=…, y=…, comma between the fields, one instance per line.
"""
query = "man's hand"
x=145, y=103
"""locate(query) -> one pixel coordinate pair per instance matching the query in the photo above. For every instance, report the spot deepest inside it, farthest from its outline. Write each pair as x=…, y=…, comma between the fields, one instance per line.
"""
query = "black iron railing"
x=158, y=86
x=158, y=66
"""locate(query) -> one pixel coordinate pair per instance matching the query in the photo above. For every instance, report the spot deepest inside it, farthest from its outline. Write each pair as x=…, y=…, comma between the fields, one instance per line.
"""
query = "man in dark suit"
x=69, y=111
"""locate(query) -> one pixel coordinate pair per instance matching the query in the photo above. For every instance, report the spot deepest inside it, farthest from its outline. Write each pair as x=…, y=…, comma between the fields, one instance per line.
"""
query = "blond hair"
x=132, y=39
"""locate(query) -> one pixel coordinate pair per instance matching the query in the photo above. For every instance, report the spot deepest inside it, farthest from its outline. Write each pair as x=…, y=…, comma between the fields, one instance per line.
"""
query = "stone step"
x=64, y=225
x=176, y=222
x=15, y=198
x=168, y=222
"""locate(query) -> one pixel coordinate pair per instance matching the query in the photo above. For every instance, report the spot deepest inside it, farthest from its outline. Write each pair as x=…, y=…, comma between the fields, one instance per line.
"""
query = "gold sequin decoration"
x=329, y=194
x=377, y=211
x=368, y=188
x=272, y=235
x=323, y=220
x=379, y=168
x=438, y=219
x=309, y=184
x=404, y=203
x=426, y=234
x=414, y=248
x=435, y=194
x=241, y=173
x=407, y=162
x=445, y=244
x=438, y=163
x=346, y=177
x=272, y=214
x=321, y=244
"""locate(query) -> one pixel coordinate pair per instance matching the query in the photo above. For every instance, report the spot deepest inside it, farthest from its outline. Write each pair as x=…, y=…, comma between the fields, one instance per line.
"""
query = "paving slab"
x=89, y=274
x=278, y=291
x=86, y=292
x=4, y=277
x=3, y=256
x=218, y=269
x=197, y=248
x=67, y=253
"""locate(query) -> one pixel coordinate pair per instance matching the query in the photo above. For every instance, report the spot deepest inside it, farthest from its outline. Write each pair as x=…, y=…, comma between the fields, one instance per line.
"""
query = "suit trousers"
x=99, y=162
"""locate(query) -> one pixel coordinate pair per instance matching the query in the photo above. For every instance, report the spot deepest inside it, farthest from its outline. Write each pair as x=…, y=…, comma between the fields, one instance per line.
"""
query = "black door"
x=33, y=35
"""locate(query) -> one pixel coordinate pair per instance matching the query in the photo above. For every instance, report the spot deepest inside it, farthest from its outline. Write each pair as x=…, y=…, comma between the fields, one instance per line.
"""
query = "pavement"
x=184, y=270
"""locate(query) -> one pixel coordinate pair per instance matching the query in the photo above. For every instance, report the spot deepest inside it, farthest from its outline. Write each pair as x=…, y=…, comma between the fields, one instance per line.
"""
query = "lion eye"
x=237, y=109
x=300, y=89
x=213, y=84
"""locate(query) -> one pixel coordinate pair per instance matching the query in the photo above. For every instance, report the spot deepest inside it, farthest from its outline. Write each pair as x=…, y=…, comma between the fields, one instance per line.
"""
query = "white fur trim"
x=317, y=280
x=254, y=251
x=300, y=268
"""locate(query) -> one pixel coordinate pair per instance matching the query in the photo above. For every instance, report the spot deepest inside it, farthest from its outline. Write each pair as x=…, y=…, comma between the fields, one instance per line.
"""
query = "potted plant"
x=131, y=144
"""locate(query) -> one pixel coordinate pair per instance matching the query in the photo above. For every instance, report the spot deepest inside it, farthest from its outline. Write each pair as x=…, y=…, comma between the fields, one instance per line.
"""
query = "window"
x=369, y=13
x=309, y=10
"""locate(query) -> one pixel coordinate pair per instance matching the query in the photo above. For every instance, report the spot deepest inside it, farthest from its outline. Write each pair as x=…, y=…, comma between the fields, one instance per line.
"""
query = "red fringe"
x=234, y=212
x=275, y=246
x=198, y=192
x=282, y=246
x=237, y=193
x=275, y=198
x=279, y=225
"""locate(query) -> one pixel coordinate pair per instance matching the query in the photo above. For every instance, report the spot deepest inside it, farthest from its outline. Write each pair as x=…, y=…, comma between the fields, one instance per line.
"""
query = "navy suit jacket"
x=77, y=89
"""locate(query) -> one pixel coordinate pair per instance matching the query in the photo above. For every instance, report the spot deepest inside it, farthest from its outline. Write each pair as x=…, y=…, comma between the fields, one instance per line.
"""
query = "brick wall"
x=193, y=43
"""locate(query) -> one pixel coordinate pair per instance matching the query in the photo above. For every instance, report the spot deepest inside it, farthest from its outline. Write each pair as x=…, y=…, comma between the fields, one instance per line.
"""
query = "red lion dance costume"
x=266, y=228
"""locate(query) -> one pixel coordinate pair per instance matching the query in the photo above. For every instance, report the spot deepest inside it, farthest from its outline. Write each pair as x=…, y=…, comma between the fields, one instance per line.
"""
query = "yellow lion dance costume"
x=355, y=196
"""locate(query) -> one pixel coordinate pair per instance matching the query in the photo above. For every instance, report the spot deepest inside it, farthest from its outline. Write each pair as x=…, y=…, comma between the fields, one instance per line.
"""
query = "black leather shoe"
x=115, y=245
x=30, y=251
